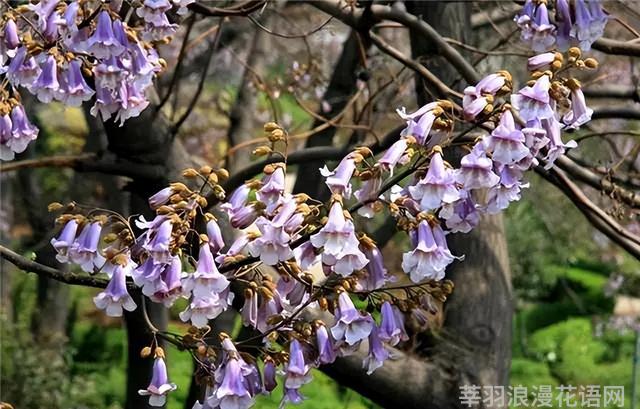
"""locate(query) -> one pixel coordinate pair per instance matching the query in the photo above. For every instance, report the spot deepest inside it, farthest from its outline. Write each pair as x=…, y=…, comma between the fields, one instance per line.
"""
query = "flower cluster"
x=73, y=52
x=578, y=22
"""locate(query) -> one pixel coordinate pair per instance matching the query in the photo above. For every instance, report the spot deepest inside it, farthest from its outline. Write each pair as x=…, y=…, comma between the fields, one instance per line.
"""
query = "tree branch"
x=609, y=46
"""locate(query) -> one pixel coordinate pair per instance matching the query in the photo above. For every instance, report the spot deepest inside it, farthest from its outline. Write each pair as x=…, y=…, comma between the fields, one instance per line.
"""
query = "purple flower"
x=508, y=190
x=84, y=250
x=476, y=170
x=237, y=200
x=506, y=141
x=23, y=131
x=11, y=39
x=232, y=392
x=73, y=89
x=152, y=11
x=555, y=147
x=6, y=129
x=147, y=276
x=543, y=31
x=273, y=244
x=564, y=24
x=589, y=23
x=392, y=325
x=23, y=70
x=541, y=60
x=159, y=386
x=350, y=259
x=437, y=187
x=169, y=286
x=306, y=255
x=326, y=348
x=335, y=233
x=132, y=100
x=377, y=352
x=338, y=180
x=272, y=189
x=296, y=370
x=64, y=241
x=103, y=44
x=419, y=123
x=159, y=29
x=430, y=257
x=235, y=249
x=270, y=381
x=43, y=11
x=115, y=297
x=109, y=74
x=106, y=105
x=216, y=241
x=46, y=86
x=202, y=309
x=160, y=198
x=376, y=274
x=533, y=102
x=393, y=155
x=580, y=113
x=368, y=192
x=157, y=243
x=291, y=395
x=461, y=216
x=183, y=5
x=206, y=280
x=249, y=311
x=351, y=326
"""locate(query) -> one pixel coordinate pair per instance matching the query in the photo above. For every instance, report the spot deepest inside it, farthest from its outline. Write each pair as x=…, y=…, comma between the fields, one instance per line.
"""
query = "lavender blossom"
x=115, y=297
x=73, y=89
x=351, y=326
x=392, y=328
x=22, y=133
x=159, y=386
x=46, y=86
x=84, y=250
x=232, y=392
x=296, y=369
x=393, y=155
x=476, y=170
x=534, y=102
x=206, y=280
x=338, y=180
x=103, y=44
x=65, y=240
x=327, y=352
x=437, y=187
x=589, y=22
x=430, y=257
x=216, y=241
x=580, y=113
x=507, y=141
x=377, y=352
x=335, y=233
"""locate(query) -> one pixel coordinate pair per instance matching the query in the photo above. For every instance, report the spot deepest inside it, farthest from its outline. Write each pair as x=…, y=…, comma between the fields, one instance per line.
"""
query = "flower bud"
x=190, y=173
x=145, y=352
x=261, y=151
x=591, y=63
x=54, y=206
x=271, y=126
x=575, y=52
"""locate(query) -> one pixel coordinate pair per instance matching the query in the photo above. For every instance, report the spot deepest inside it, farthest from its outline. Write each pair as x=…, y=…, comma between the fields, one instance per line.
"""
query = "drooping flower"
x=377, y=352
x=419, y=123
x=368, y=192
x=159, y=386
x=103, y=44
x=296, y=369
x=64, y=240
x=507, y=141
x=73, y=89
x=206, y=280
x=216, y=241
x=157, y=243
x=84, y=250
x=152, y=11
x=270, y=381
x=534, y=102
x=22, y=131
x=508, y=190
x=249, y=311
x=392, y=328
x=335, y=233
x=10, y=35
x=437, y=187
x=115, y=297
x=169, y=286
x=476, y=170
x=580, y=113
x=326, y=347
x=393, y=155
x=232, y=392
x=461, y=216
x=351, y=326
x=23, y=69
x=272, y=189
x=350, y=258
x=306, y=255
x=46, y=86
x=273, y=244
x=202, y=309
x=339, y=179
x=376, y=274
x=589, y=23
x=541, y=60
x=430, y=257
x=160, y=198
x=564, y=24
x=555, y=147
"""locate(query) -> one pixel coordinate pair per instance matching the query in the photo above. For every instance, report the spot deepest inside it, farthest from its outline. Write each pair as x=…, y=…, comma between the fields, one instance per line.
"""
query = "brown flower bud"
x=190, y=173
x=261, y=151
x=145, y=352
x=271, y=126
x=591, y=63
x=54, y=206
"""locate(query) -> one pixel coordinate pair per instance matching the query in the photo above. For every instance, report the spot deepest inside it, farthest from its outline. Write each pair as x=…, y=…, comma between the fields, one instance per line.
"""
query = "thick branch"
x=30, y=266
x=380, y=12
x=609, y=46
